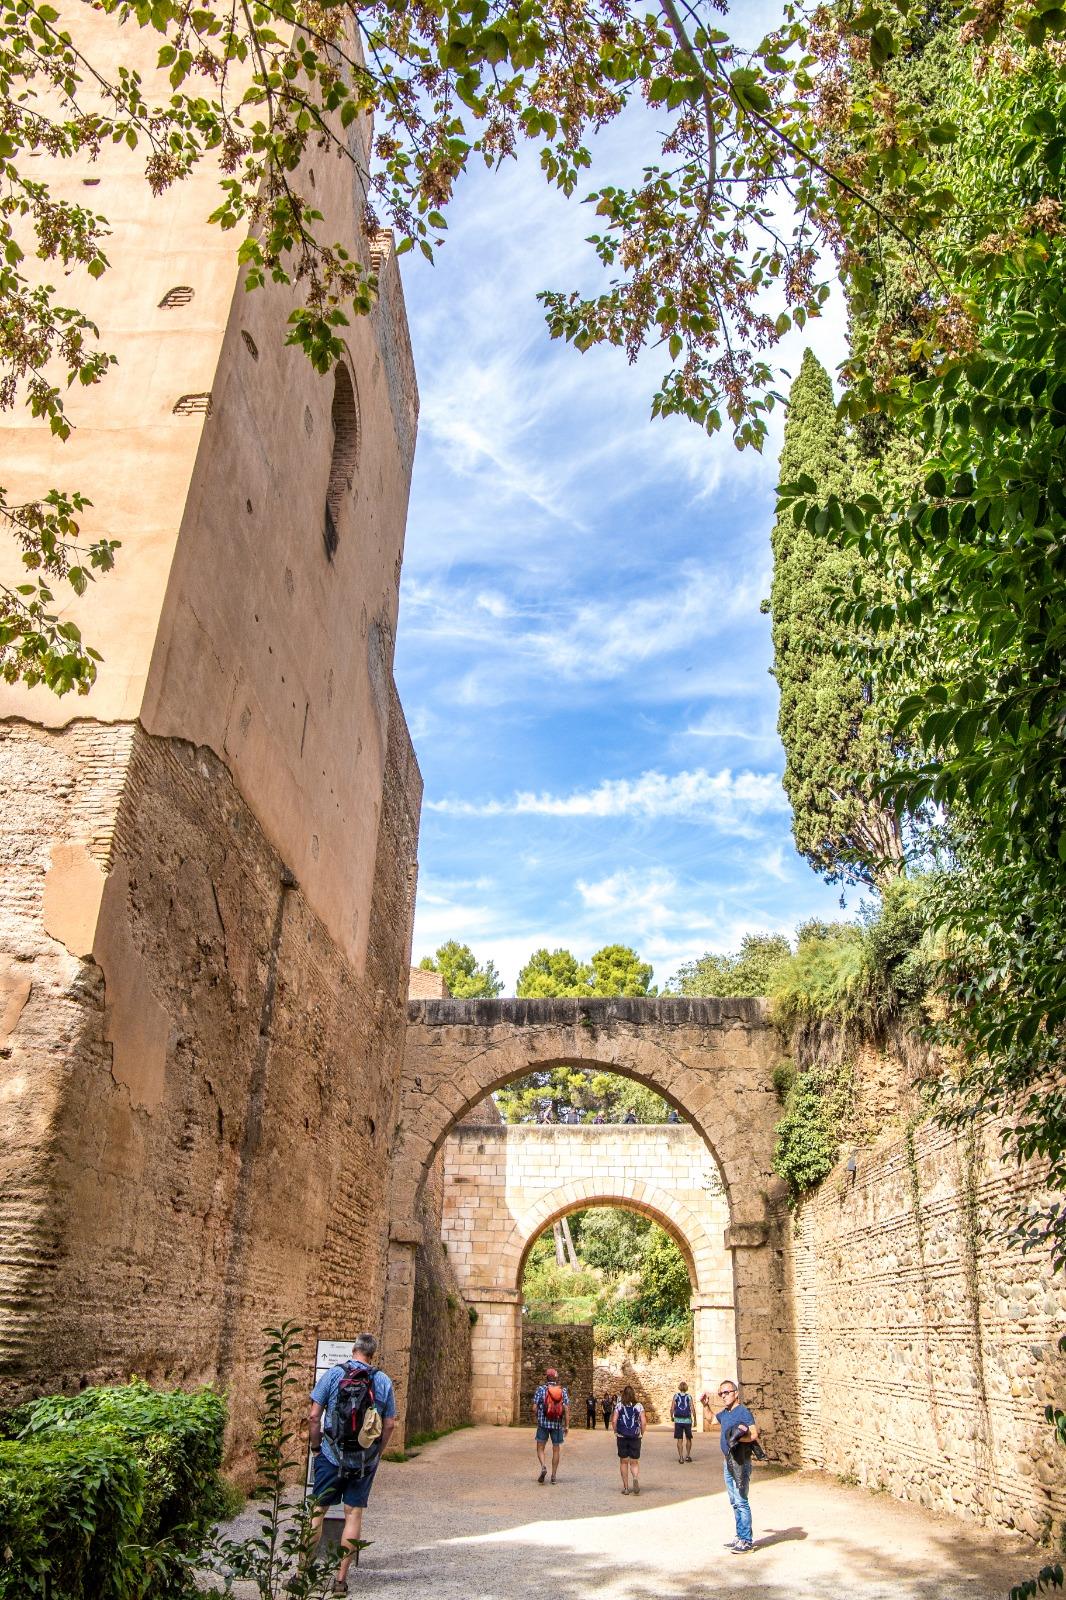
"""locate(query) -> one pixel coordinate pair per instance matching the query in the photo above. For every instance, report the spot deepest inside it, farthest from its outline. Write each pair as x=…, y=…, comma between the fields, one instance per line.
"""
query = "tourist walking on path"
x=590, y=1411
x=629, y=1423
x=551, y=1410
x=607, y=1406
x=353, y=1414
x=739, y=1436
x=681, y=1410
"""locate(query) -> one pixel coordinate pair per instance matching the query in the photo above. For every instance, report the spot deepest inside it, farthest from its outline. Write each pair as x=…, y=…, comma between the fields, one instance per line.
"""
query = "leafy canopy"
x=632, y=1281
x=709, y=247
x=591, y=1093
x=616, y=969
x=973, y=620
x=748, y=971
x=458, y=966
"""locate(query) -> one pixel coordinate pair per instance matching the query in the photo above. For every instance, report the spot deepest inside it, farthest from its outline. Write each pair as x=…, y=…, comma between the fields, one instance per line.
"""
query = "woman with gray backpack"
x=628, y=1424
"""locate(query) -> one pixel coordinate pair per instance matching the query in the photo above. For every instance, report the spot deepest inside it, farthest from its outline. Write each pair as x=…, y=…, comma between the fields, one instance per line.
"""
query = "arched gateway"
x=504, y=1185
x=712, y=1059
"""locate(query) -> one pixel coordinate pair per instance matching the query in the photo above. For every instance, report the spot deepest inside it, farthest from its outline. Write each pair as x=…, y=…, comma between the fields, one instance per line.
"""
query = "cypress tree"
x=832, y=745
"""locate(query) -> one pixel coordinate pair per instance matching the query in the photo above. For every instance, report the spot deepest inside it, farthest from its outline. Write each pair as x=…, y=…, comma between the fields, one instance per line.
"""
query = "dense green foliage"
x=616, y=969
x=808, y=1135
x=633, y=1283
x=610, y=1238
x=465, y=977
x=591, y=1093
x=867, y=975
x=107, y=1494
x=556, y=974
x=746, y=972
x=834, y=750
x=968, y=614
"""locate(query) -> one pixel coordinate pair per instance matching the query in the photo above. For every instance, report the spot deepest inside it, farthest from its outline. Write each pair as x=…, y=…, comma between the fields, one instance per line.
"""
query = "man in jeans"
x=738, y=1435
x=551, y=1409
x=352, y=1481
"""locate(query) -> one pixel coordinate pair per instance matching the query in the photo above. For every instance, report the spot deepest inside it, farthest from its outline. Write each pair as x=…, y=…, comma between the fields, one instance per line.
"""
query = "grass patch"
x=436, y=1433
x=411, y=1449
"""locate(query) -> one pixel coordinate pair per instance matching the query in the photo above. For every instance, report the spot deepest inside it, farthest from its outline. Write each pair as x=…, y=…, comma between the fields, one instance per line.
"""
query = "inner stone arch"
x=505, y=1184
x=650, y=1210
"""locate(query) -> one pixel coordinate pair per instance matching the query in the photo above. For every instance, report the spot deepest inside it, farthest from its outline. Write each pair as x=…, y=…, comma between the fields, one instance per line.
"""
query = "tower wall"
x=209, y=861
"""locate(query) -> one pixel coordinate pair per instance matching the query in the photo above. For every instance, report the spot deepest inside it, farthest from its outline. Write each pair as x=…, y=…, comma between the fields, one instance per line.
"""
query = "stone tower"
x=208, y=863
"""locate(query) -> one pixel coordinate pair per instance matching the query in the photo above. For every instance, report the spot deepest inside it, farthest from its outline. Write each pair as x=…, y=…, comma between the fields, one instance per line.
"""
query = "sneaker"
x=740, y=1547
x=636, y=1488
x=543, y=1474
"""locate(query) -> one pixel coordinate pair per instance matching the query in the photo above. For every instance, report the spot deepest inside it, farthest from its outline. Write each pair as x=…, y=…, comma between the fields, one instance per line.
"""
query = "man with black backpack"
x=681, y=1412
x=551, y=1409
x=353, y=1414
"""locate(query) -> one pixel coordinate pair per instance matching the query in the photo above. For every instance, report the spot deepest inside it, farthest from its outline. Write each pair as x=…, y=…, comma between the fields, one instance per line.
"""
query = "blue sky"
x=580, y=651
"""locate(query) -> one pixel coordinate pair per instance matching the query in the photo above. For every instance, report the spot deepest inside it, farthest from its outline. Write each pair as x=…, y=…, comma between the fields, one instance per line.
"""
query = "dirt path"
x=465, y=1520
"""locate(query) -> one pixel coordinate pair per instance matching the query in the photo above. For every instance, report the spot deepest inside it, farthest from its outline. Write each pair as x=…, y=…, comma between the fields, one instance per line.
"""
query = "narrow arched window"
x=345, y=419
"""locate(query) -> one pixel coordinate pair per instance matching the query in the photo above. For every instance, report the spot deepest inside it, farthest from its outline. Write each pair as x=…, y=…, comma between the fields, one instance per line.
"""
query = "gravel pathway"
x=465, y=1520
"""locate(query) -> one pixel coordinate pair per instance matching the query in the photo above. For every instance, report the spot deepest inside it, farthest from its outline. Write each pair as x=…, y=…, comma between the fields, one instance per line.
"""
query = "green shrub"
x=825, y=978
x=70, y=1509
x=783, y=1077
x=863, y=976
x=808, y=1133
x=151, y=1472
x=546, y=1280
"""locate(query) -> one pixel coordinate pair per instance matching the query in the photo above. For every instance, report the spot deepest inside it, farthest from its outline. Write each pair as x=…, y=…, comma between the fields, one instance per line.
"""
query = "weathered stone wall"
x=438, y=1386
x=568, y=1348
x=654, y=1375
x=916, y=1345
x=206, y=1147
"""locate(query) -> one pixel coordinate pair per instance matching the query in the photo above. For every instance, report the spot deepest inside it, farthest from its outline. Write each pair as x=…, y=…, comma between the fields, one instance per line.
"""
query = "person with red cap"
x=551, y=1411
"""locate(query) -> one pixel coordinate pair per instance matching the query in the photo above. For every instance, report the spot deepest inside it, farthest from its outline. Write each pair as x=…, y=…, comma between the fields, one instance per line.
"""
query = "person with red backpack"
x=628, y=1424
x=353, y=1414
x=551, y=1410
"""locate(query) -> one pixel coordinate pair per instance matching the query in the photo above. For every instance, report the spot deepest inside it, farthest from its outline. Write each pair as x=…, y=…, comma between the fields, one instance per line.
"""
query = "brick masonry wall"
x=568, y=1348
x=218, y=1160
x=916, y=1347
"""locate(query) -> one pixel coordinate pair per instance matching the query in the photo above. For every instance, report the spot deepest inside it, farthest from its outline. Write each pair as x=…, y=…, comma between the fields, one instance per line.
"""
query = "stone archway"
x=504, y=1185
x=712, y=1059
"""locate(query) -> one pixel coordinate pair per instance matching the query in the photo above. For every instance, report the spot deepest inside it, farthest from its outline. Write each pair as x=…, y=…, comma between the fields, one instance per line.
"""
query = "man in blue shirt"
x=347, y=1476
x=738, y=1435
x=551, y=1408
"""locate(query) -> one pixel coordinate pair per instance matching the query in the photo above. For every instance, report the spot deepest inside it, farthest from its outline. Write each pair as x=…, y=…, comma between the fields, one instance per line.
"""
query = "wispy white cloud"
x=727, y=800
x=512, y=642
x=580, y=596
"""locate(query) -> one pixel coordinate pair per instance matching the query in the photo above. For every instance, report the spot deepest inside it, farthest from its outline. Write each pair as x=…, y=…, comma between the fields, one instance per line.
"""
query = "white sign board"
x=328, y=1353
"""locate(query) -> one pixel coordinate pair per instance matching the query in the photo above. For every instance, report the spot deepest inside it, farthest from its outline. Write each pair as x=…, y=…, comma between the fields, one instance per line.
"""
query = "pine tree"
x=833, y=747
x=458, y=966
